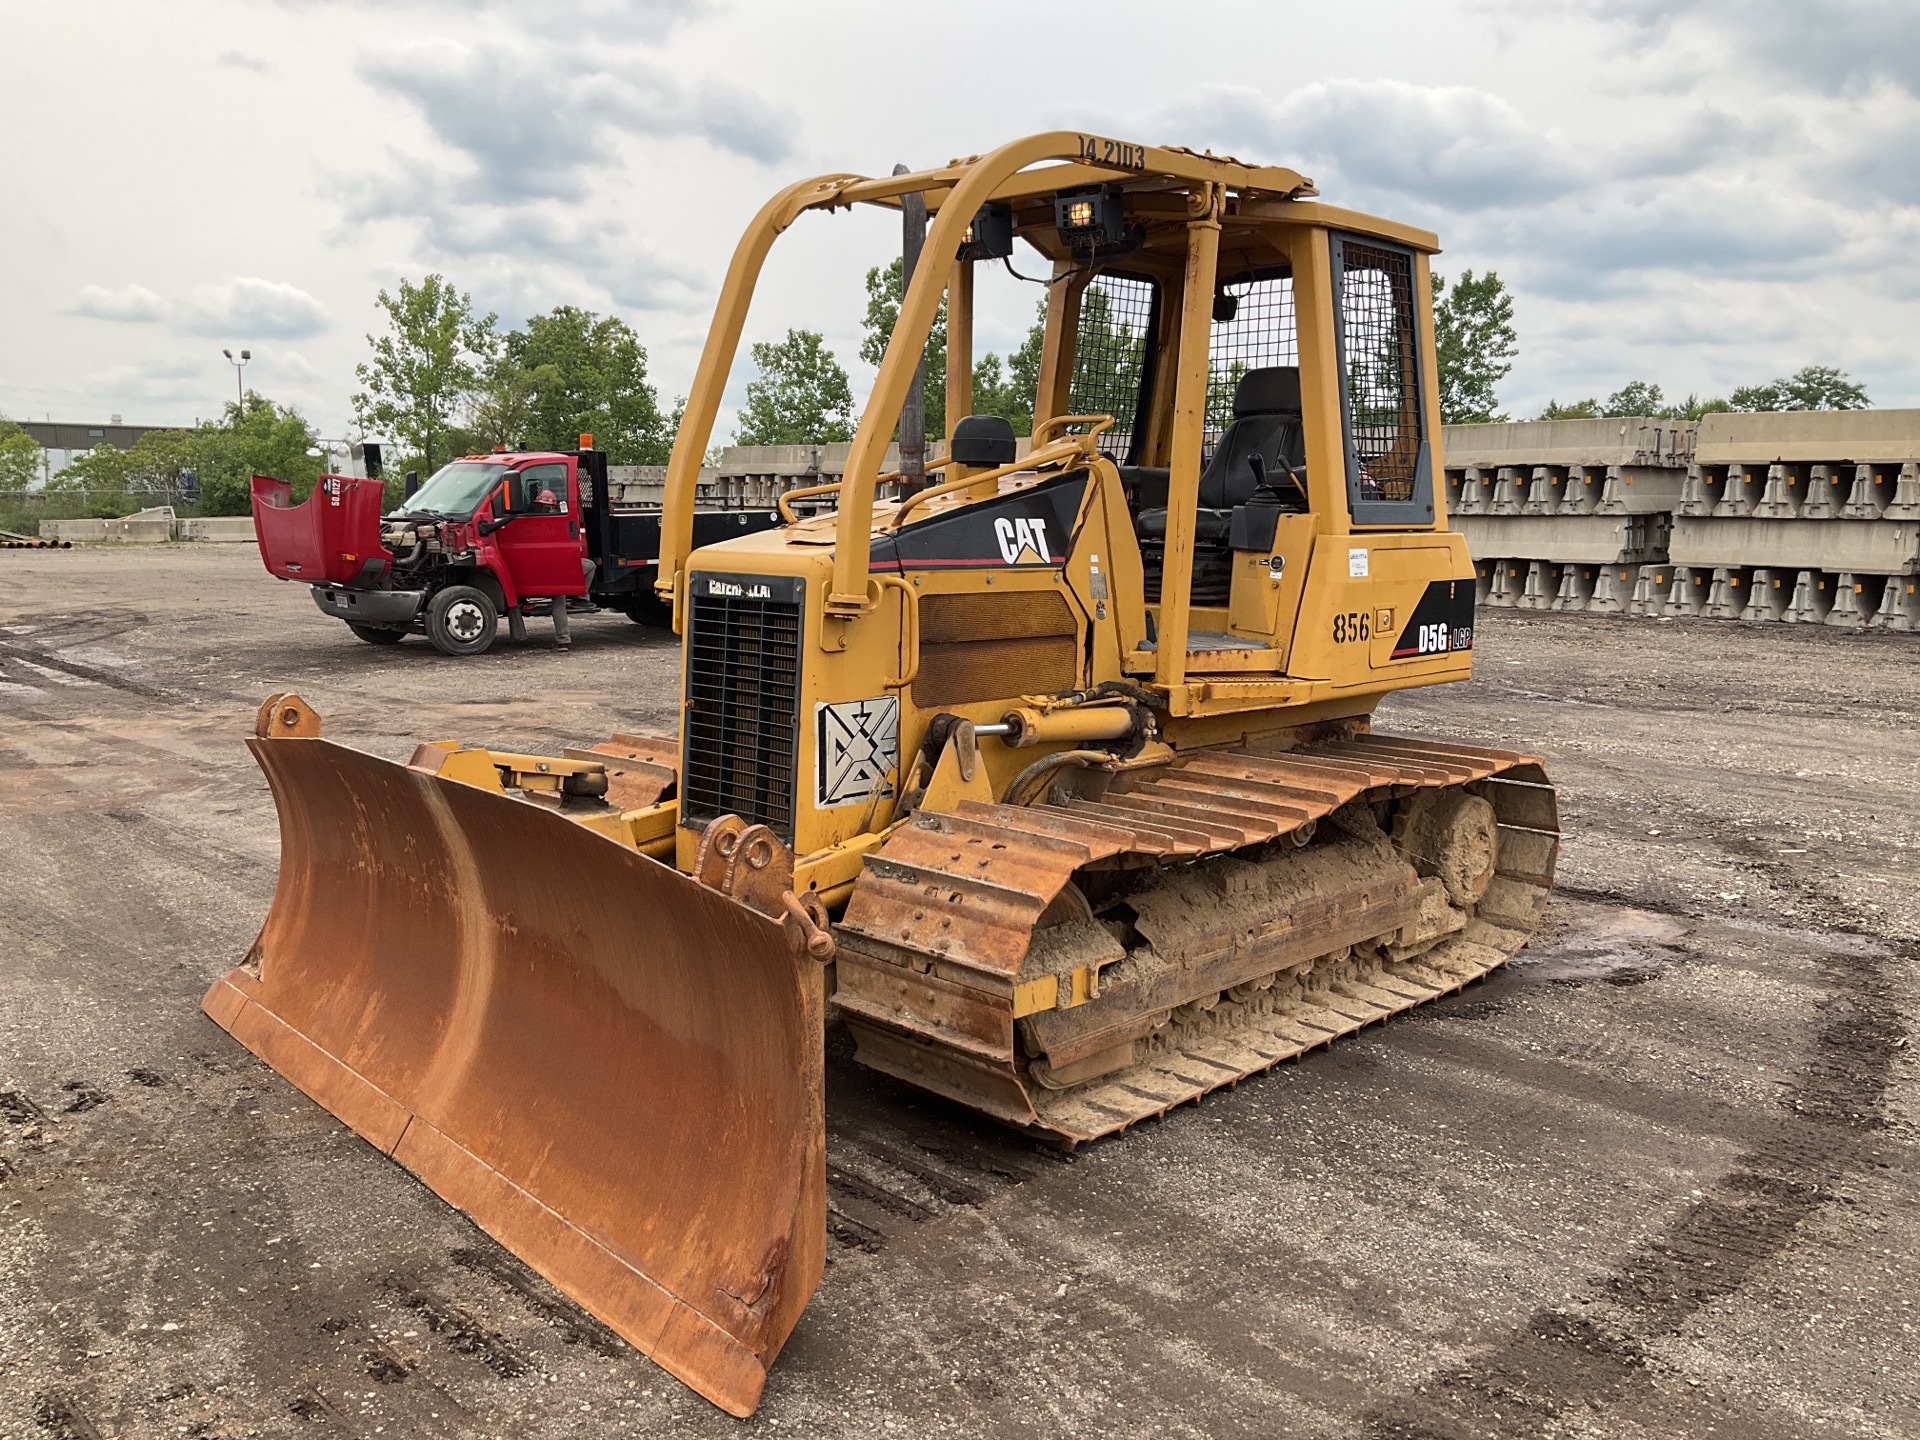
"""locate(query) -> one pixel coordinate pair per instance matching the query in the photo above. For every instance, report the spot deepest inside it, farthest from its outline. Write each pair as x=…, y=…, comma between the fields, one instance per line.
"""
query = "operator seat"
x=1266, y=423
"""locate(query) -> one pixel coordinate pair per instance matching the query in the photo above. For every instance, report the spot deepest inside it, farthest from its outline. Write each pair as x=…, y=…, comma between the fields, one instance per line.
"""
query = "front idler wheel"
x=461, y=621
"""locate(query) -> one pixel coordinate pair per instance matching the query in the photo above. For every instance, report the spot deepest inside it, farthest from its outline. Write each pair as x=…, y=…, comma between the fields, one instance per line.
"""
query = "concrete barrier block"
x=1690, y=591
x=1744, y=486
x=1613, y=589
x=1872, y=489
x=1899, y=604
x=1809, y=436
x=1595, y=539
x=1614, y=440
x=1577, y=584
x=1476, y=491
x=1581, y=493
x=1780, y=499
x=1509, y=582
x=1541, y=587
x=1827, y=489
x=1877, y=547
x=216, y=529
x=1905, y=504
x=1732, y=586
x=1812, y=598
x=1641, y=489
x=1856, y=601
x=1702, y=489
x=1772, y=594
x=144, y=527
x=1509, y=491
x=1483, y=574
x=1650, y=589
x=74, y=532
x=1548, y=484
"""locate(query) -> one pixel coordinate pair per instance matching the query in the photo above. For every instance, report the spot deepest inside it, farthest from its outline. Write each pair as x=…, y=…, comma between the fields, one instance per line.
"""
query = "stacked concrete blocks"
x=1797, y=518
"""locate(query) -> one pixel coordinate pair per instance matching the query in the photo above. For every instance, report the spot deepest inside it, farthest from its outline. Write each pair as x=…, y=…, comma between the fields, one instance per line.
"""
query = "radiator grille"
x=742, y=724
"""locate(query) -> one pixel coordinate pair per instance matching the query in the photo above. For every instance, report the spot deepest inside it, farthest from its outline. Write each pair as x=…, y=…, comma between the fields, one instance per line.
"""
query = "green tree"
x=259, y=438
x=20, y=457
x=1588, y=409
x=883, y=311
x=800, y=397
x=425, y=369
x=1476, y=341
x=1812, y=387
x=1000, y=387
x=1107, y=359
x=500, y=406
x=103, y=473
x=1014, y=396
x=1693, y=407
x=1636, y=397
x=587, y=374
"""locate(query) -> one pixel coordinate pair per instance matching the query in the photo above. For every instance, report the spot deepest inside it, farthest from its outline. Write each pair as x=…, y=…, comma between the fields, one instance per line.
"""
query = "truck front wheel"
x=461, y=621
x=377, y=634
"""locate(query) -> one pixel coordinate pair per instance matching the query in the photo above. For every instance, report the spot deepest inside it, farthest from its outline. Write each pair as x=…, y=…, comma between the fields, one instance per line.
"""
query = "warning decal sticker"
x=856, y=747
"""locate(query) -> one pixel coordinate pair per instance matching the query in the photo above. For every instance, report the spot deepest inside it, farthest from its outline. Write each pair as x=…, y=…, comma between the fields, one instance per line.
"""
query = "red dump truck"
x=509, y=534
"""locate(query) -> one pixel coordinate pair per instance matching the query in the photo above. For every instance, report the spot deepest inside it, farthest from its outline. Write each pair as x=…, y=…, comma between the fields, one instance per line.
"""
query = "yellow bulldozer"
x=1053, y=780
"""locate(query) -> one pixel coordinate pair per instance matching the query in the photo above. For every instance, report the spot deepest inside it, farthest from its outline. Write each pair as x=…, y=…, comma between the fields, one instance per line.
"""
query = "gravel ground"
x=1658, y=1177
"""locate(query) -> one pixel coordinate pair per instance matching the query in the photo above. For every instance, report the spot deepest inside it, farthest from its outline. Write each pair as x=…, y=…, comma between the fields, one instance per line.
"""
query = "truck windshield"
x=455, y=490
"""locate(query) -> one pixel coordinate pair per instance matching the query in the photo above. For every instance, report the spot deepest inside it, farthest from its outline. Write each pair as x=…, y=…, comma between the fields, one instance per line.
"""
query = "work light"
x=990, y=234
x=1091, y=221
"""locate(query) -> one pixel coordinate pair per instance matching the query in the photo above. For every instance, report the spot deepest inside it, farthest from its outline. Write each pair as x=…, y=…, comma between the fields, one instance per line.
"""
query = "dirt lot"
x=1659, y=1177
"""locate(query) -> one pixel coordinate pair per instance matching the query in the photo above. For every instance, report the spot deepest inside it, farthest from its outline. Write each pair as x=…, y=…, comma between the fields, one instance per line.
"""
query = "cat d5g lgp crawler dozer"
x=1054, y=779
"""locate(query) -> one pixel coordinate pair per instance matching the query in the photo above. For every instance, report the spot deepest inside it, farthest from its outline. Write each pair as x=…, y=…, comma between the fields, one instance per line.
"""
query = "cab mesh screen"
x=1110, y=355
x=1378, y=339
x=1260, y=334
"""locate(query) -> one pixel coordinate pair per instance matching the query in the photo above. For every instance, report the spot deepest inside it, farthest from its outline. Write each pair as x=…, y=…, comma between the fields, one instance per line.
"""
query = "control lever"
x=1258, y=464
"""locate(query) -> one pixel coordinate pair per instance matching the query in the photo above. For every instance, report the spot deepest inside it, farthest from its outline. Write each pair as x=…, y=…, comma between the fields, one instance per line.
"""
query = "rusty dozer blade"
x=616, y=1070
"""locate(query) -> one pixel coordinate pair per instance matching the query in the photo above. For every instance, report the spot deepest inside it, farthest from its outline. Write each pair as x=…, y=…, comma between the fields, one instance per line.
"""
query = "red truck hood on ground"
x=326, y=540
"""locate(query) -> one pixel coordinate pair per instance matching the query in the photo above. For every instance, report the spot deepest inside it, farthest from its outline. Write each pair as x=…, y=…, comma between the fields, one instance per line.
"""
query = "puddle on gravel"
x=1627, y=947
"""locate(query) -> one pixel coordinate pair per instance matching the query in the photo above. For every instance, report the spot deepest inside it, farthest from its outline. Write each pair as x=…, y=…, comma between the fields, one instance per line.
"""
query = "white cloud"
x=134, y=304
x=1450, y=145
x=243, y=308
x=588, y=21
x=249, y=307
x=530, y=122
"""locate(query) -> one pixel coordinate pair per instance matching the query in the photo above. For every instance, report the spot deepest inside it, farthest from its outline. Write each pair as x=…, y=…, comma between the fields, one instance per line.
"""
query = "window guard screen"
x=1389, y=462
x=1112, y=359
x=1261, y=334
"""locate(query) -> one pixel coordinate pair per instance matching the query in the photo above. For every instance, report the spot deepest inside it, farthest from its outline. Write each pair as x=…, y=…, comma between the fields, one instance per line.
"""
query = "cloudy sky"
x=1697, y=192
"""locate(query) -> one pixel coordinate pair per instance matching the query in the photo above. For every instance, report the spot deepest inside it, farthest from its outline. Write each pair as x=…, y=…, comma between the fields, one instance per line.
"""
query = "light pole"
x=239, y=365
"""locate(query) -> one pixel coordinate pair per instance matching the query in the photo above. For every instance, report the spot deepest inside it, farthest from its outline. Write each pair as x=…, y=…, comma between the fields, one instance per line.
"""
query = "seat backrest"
x=1266, y=422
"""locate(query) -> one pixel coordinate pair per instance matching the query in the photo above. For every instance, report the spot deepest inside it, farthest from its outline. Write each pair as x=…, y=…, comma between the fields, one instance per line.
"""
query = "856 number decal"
x=1352, y=626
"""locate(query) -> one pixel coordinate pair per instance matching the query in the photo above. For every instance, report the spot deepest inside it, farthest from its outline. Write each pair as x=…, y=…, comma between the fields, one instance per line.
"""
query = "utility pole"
x=913, y=411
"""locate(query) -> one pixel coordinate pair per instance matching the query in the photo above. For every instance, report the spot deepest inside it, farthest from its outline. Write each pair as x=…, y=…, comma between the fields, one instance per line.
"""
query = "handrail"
x=1101, y=424
x=910, y=615
x=786, y=510
x=887, y=479
x=1059, y=450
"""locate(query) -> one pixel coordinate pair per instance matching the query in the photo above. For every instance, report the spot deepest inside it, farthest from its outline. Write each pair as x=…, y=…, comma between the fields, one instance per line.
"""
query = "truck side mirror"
x=413, y=482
